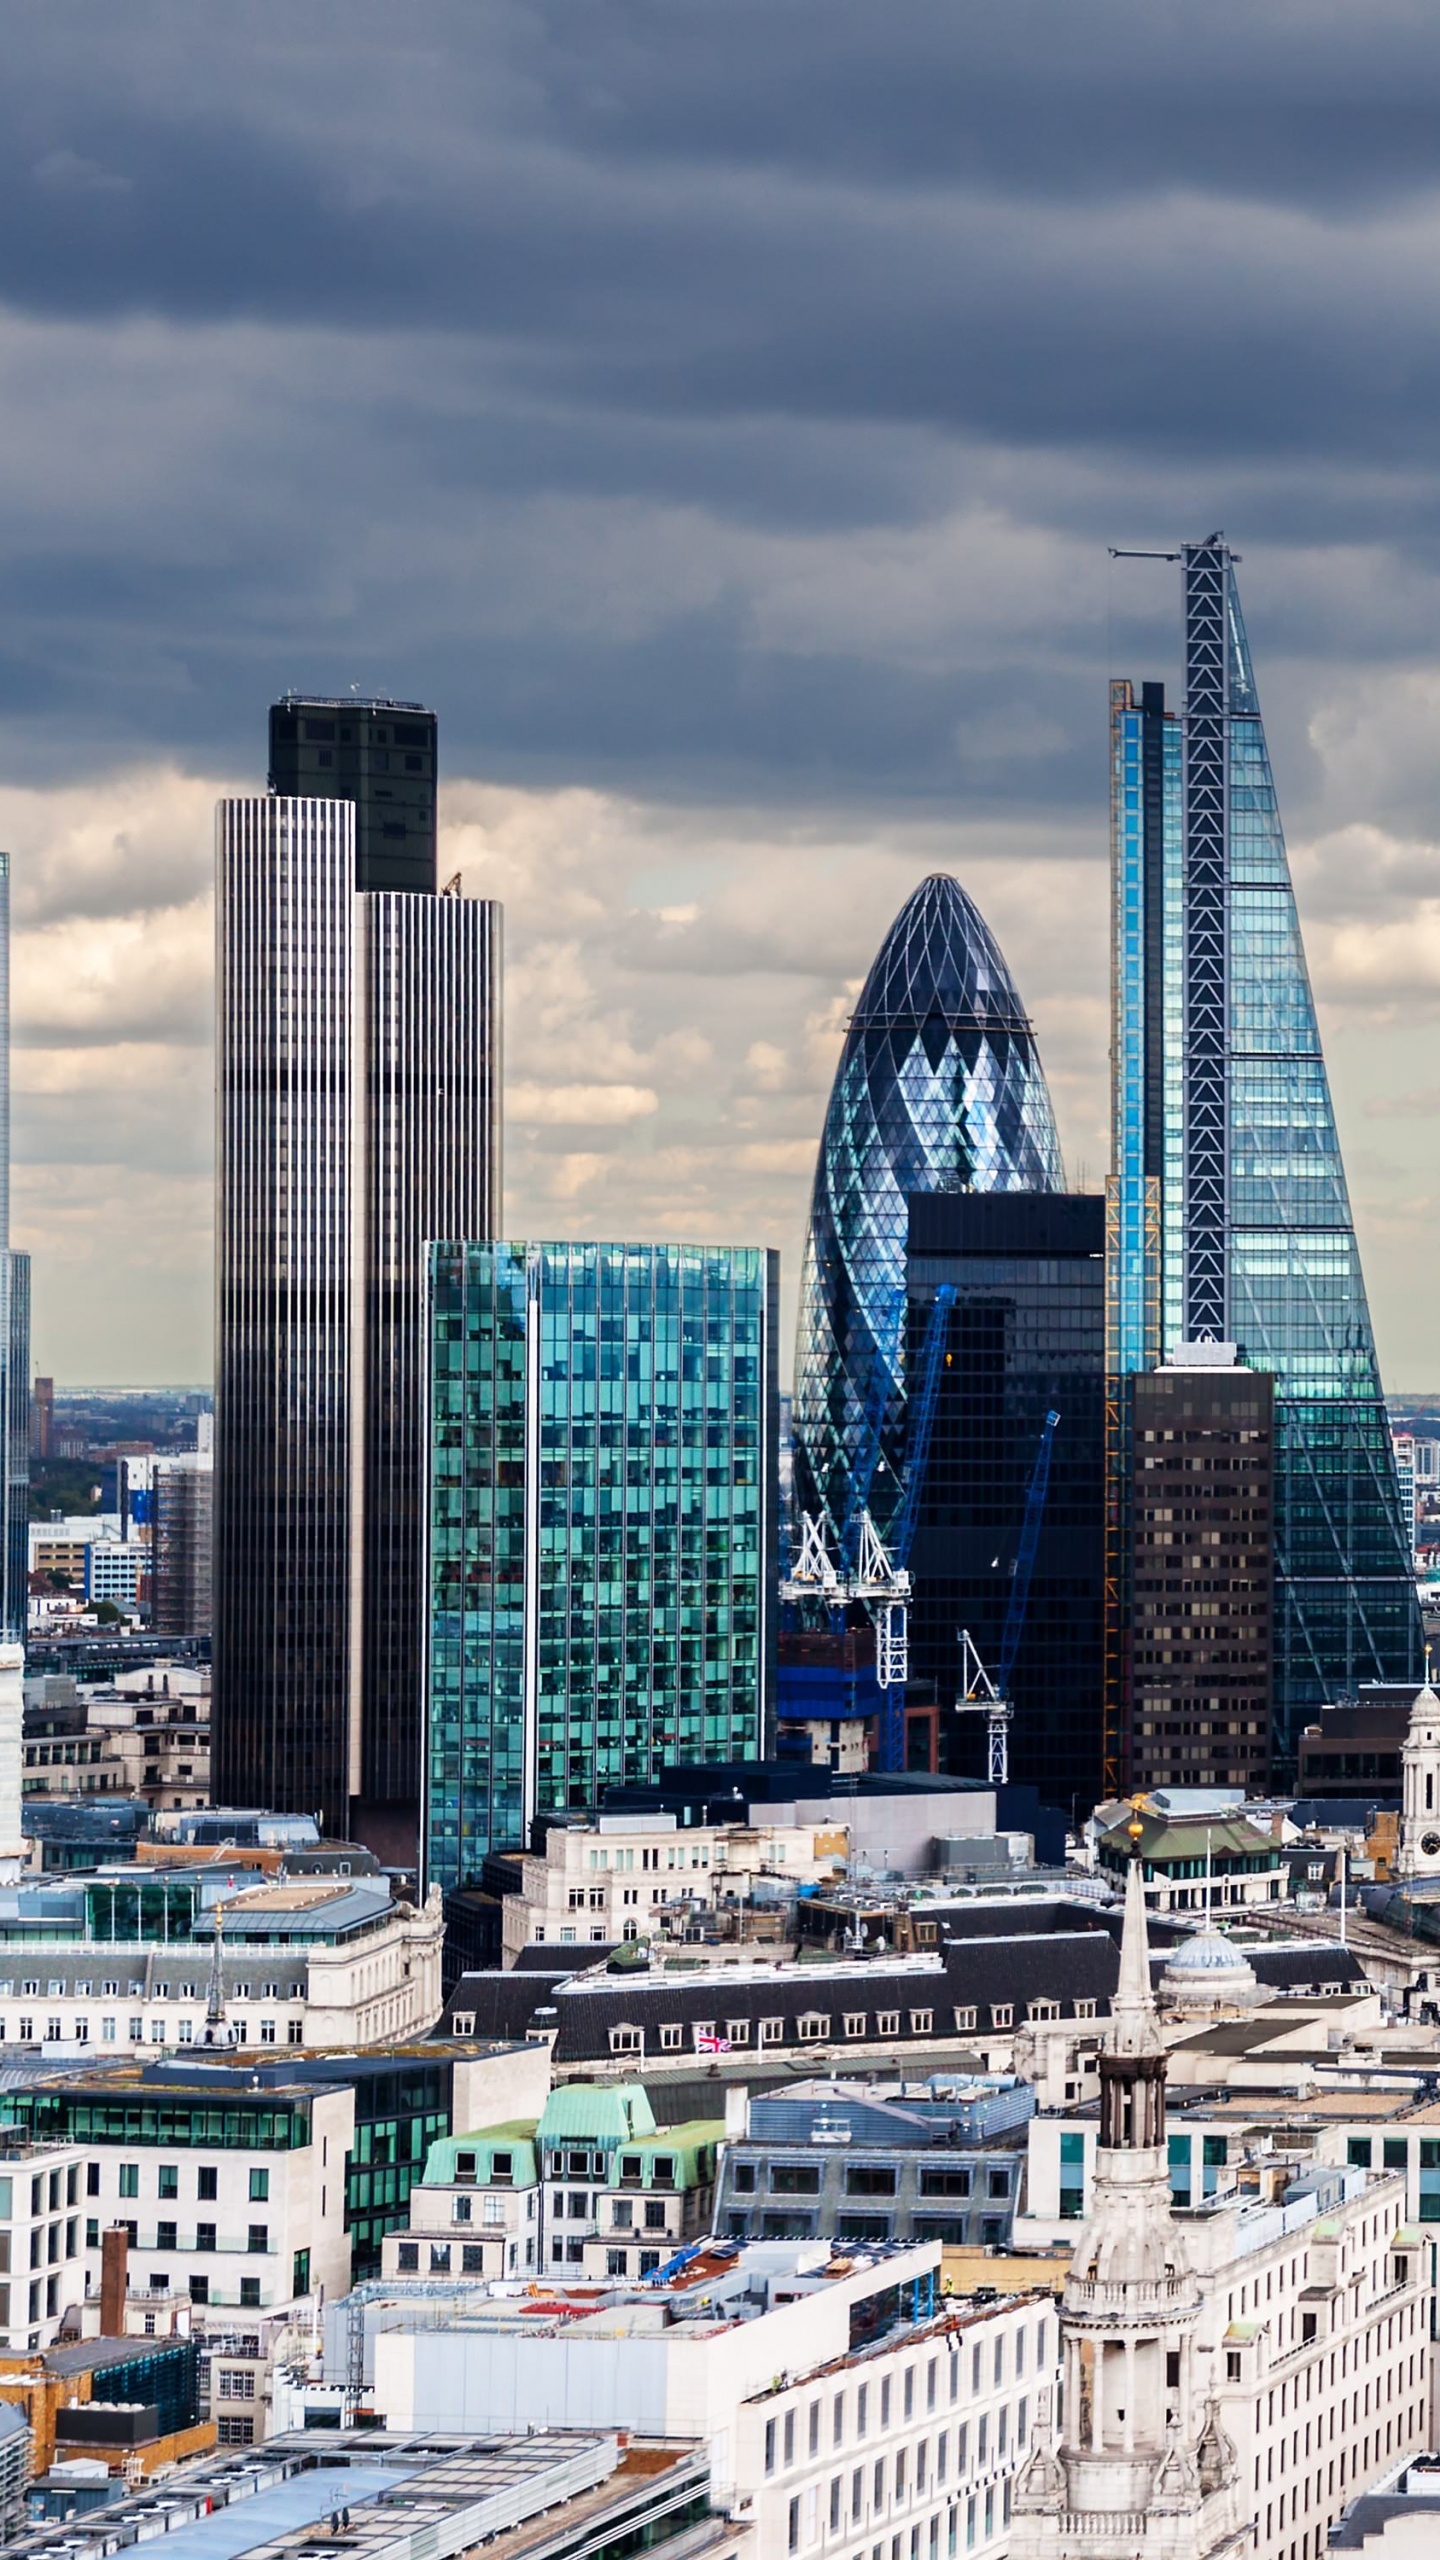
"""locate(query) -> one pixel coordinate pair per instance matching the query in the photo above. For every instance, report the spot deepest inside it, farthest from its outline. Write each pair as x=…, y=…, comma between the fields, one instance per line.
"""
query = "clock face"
x=1430, y=1845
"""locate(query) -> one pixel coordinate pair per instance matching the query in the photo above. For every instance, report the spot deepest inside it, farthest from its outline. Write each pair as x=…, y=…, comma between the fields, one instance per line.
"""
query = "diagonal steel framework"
x=1207, y=939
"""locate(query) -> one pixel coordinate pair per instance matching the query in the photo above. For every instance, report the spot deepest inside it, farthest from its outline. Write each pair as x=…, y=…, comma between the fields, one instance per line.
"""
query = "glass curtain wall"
x=939, y=1088
x=603, y=1495
x=1293, y=1294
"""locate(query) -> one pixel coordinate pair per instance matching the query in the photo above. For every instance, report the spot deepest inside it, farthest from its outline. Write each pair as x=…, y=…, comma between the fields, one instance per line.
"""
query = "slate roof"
x=985, y=1975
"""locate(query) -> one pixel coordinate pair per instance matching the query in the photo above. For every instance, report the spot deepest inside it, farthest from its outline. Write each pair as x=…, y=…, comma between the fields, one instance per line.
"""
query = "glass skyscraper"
x=939, y=1088
x=1023, y=1336
x=603, y=1498
x=1229, y=1216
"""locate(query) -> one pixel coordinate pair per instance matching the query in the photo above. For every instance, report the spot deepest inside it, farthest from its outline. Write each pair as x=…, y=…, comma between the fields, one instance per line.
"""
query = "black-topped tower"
x=378, y=755
x=357, y=1118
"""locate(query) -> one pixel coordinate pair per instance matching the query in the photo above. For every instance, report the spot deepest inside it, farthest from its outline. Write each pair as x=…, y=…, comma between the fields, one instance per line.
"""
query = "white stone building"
x=1417, y=1850
x=48, y=2262
x=842, y=2406
x=322, y=1963
x=1234, y=2373
x=642, y=1875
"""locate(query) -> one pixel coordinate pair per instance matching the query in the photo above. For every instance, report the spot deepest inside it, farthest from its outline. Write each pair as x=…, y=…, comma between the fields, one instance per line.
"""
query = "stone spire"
x=1418, y=1850
x=1134, y=2026
x=1128, y=2478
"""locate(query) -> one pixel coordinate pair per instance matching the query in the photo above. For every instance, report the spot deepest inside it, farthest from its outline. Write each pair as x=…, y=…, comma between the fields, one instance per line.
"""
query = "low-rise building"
x=144, y=1735
x=128, y=1956
x=543, y=2496
x=594, y=2188
x=842, y=2404
x=48, y=2261
x=962, y=2005
x=132, y=2404
x=929, y=2160
x=631, y=1876
x=1191, y=1858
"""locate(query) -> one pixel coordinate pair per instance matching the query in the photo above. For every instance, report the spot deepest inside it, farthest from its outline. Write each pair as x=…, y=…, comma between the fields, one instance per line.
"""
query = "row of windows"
x=922, y=2385
x=913, y=2470
x=817, y=2026
x=76, y=2030
x=57, y=1990
x=861, y=2178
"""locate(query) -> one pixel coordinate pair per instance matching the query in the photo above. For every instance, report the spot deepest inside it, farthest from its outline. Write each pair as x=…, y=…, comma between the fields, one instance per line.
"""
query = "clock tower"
x=1418, y=1853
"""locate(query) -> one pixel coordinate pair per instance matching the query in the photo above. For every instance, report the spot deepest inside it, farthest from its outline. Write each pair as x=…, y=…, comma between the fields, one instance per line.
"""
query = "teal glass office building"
x=1229, y=1214
x=603, y=1527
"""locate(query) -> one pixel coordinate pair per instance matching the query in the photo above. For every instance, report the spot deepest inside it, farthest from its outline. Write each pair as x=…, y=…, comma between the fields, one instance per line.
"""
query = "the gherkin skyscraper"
x=939, y=1088
x=1230, y=1215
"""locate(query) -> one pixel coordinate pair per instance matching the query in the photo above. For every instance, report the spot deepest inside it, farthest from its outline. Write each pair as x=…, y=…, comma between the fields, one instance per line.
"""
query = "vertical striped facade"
x=355, y=1077
x=430, y=1131
x=14, y=1336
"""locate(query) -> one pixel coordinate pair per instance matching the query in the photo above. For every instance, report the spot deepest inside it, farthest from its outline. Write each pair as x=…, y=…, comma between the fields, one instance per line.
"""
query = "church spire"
x=1135, y=2028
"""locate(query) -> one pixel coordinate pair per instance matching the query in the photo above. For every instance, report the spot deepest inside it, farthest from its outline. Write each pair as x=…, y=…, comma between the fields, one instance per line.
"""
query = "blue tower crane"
x=892, y=1626
x=868, y=1570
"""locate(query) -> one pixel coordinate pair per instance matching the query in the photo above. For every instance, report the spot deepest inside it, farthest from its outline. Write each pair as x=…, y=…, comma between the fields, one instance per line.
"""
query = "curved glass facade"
x=939, y=1088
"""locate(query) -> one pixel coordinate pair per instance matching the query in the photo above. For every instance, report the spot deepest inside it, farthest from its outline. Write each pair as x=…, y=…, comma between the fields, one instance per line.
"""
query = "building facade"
x=604, y=1540
x=357, y=1116
x=842, y=2405
x=939, y=1088
x=641, y=1876
x=1239, y=2360
x=1023, y=1336
x=181, y=1529
x=593, y=2190
x=14, y=1336
x=380, y=756
x=1230, y=1215
x=1199, y=1572
x=922, y=2161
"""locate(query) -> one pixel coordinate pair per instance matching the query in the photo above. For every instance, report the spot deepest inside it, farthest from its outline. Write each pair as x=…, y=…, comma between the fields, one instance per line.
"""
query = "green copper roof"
x=1163, y=1837
x=518, y=2138
x=584, y=2114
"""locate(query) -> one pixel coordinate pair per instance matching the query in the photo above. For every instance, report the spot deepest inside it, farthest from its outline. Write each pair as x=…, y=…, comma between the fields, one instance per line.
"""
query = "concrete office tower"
x=1199, y=1571
x=357, y=1115
x=603, y=1487
x=1229, y=1215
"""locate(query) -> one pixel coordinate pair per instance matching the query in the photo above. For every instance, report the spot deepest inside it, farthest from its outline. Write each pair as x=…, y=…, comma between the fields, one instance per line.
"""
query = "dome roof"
x=1207, y=1973
x=1208, y=1952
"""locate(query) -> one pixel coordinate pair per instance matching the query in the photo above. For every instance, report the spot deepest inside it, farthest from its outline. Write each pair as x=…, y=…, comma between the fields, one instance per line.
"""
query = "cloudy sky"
x=719, y=410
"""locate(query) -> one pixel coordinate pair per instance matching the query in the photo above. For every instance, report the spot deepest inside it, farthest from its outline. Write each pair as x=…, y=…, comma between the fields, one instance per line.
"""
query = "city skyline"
x=715, y=1032
x=844, y=587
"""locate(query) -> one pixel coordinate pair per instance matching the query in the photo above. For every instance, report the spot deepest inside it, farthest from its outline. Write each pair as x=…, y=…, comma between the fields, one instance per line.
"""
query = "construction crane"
x=869, y=1571
x=979, y=1694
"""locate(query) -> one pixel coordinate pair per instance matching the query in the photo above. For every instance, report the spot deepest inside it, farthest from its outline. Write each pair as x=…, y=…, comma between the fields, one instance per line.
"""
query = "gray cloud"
x=720, y=412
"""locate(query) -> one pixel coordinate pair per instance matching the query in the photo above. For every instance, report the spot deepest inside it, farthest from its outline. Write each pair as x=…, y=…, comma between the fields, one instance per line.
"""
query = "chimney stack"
x=114, y=2279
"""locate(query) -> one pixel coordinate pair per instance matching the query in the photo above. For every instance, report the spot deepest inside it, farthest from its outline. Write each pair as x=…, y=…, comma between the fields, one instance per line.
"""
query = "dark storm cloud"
x=529, y=356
